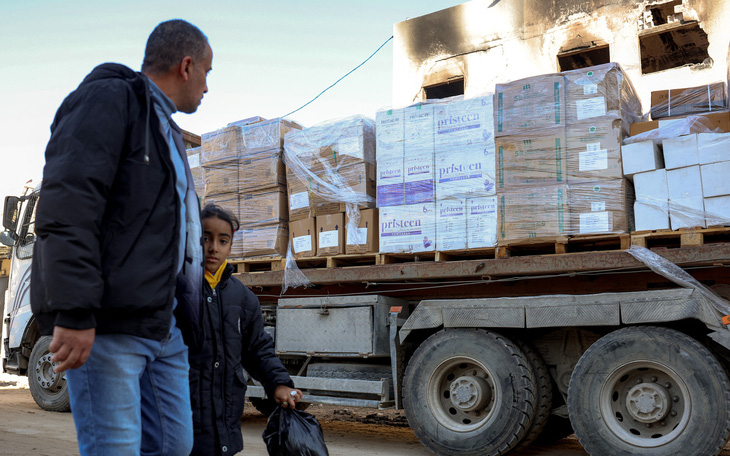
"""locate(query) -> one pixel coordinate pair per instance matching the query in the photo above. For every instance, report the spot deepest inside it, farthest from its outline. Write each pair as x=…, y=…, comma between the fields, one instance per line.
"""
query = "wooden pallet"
x=391, y=258
x=259, y=264
x=565, y=244
x=684, y=237
x=469, y=254
x=338, y=261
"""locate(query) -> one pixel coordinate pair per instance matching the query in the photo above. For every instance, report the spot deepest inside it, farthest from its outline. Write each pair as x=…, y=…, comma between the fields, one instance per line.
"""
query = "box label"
x=591, y=107
x=357, y=237
x=590, y=89
x=594, y=222
x=302, y=244
x=329, y=239
x=598, y=206
x=194, y=160
x=299, y=200
x=593, y=160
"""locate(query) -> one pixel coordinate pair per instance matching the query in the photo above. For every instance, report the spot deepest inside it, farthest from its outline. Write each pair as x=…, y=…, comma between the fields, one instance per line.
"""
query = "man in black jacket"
x=117, y=269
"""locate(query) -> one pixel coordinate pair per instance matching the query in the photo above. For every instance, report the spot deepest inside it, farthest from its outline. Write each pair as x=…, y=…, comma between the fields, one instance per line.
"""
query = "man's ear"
x=186, y=67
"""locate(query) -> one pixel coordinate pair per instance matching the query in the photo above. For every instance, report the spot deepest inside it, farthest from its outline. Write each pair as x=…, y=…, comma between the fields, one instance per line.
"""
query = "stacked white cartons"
x=408, y=228
x=714, y=156
x=651, y=210
x=389, y=134
x=465, y=173
x=641, y=157
x=684, y=182
x=418, y=148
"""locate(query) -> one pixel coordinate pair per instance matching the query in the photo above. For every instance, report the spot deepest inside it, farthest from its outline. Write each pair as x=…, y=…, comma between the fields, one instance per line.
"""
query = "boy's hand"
x=287, y=397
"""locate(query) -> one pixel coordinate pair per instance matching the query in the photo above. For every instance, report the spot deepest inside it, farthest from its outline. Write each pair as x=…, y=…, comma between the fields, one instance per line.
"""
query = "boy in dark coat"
x=234, y=340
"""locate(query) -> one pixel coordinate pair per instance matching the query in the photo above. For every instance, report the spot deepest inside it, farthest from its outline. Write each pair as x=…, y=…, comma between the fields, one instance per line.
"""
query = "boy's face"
x=218, y=236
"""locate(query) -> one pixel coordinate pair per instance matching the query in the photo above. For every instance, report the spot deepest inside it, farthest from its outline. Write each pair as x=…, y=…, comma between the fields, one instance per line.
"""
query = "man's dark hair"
x=169, y=43
x=212, y=210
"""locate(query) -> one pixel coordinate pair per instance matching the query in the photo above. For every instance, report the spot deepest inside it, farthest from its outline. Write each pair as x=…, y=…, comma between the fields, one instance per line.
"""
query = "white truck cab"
x=24, y=351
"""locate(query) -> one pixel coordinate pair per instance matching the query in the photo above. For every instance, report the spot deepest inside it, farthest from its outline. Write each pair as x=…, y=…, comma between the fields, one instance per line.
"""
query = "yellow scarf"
x=214, y=280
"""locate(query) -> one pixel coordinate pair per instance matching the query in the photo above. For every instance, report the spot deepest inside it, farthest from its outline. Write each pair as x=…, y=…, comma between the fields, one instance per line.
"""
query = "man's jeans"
x=132, y=397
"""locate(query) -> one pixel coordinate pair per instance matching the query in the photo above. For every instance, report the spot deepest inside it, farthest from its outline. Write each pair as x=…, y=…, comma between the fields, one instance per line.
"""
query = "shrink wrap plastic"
x=331, y=168
x=242, y=170
x=558, y=154
x=690, y=100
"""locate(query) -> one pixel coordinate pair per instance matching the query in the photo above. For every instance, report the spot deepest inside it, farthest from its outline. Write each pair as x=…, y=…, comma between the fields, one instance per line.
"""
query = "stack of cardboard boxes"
x=243, y=171
x=680, y=171
x=435, y=182
x=559, y=165
x=331, y=188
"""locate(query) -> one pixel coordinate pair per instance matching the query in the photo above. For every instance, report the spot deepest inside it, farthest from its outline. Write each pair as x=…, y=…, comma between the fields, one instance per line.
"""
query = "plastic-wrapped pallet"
x=331, y=170
x=689, y=100
x=243, y=171
x=437, y=155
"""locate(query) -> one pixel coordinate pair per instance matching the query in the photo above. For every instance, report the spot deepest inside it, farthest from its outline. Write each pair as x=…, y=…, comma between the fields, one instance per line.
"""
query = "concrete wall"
x=492, y=41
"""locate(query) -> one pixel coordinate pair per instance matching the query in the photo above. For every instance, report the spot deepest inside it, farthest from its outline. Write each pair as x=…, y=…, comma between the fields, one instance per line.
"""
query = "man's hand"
x=284, y=397
x=71, y=347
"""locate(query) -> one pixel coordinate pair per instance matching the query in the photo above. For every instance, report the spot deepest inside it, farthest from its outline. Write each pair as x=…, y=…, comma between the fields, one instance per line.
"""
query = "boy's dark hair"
x=169, y=43
x=212, y=210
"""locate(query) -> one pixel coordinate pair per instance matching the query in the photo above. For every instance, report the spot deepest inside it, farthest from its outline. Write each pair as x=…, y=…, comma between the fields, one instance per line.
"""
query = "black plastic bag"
x=294, y=433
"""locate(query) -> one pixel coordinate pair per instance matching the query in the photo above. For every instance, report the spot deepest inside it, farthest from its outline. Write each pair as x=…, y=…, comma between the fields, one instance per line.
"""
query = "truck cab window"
x=26, y=233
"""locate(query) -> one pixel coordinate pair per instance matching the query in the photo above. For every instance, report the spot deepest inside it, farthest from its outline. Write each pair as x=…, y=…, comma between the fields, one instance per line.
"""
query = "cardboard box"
x=390, y=183
x=332, y=190
x=594, y=149
x=651, y=210
x=680, y=151
x=715, y=179
x=224, y=144
x=221, y=177
x=227, y=201
x=303, y=237
x=390, y=134
x=364, y=239
x=481, y=222
x=263, y=240
x=330, y=234
x=265, y=135
x=598, y=91
x=717, y=210
x=466, y=172
x=535, y=212
x=408, y=229
x=451, y=224
x=713, y=147
x=419, y=131
x=686, y=205
x=263, y=207
x=689, y=100
x=718, y=122
x=640, y=157
x=528, y=104
x=535, y=160
x=257, y=171
x=600, y=207
x=418, y=181
x=464, y=123
x=338, y=143
x=300, y=198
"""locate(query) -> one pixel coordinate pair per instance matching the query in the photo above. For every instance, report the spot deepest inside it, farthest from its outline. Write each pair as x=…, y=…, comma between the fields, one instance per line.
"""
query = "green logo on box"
x=590, y=73
x=597, y=188
x=592, y=129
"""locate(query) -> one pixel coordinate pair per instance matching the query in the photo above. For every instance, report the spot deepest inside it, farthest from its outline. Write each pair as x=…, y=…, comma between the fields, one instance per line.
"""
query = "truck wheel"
x=468, y=392
x=49, y=390
x=543, y=393
x=649, y=391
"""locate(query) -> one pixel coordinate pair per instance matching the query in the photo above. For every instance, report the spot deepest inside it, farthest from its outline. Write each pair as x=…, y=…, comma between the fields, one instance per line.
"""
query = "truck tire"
x=543, y=393
x=49, y=390
x=649, y=391
x=468, y=392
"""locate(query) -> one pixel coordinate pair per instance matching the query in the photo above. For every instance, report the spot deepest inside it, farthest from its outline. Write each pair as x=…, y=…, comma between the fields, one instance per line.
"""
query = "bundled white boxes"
x=686, y=206
x=651, y=209
x=438, y=170
x=640, y=157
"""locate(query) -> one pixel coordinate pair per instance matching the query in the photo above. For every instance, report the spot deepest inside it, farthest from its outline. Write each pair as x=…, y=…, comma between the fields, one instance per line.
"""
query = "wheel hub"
x=470, y=393
x=44, y=371
x=648, y=402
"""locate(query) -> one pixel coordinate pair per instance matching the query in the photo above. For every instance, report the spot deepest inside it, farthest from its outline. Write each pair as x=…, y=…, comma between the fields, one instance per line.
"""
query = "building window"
x=583, y=58
x=447, y=89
